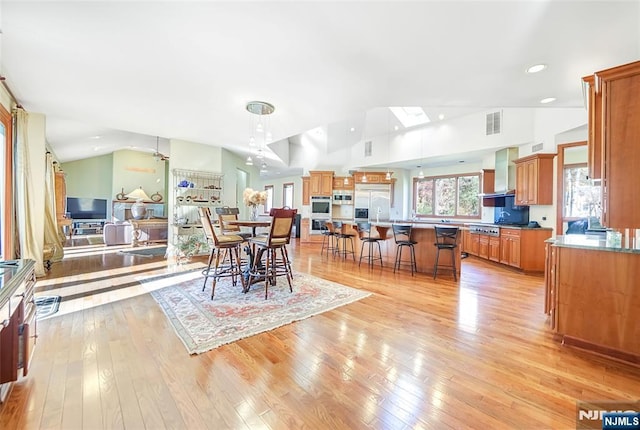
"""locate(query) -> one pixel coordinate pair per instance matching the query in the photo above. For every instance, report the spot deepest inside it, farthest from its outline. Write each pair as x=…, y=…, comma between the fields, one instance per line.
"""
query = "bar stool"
x=341, y=235
x=364, y=233
x=402, y=236
x=328, y=238
x=447, y=239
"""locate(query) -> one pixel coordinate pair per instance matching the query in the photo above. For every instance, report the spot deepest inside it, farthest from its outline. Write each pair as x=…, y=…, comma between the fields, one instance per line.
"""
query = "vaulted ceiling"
x=129, y=72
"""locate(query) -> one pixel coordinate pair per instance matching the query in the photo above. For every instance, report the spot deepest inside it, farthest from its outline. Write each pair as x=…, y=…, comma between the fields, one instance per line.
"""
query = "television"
x=86, y=208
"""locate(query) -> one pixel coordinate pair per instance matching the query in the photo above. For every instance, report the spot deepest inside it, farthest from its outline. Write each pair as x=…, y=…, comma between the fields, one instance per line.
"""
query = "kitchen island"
x=593, y=295
x=423, y=233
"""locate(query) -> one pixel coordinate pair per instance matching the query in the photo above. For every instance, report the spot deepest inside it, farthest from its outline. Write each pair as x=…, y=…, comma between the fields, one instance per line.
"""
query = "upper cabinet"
x=321, y=183
x=534, y=180
x=619, y=124
x=594, y=143
x=305, y=190
x=372, y=178
x=343, y=183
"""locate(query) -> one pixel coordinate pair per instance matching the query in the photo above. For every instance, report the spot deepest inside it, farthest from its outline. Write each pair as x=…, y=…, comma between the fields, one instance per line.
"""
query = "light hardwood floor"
x=418, y=353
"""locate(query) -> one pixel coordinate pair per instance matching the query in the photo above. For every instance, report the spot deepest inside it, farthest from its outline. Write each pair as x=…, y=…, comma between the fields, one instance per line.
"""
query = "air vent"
x=537, y=147
x=367, y=148
x=493, y=123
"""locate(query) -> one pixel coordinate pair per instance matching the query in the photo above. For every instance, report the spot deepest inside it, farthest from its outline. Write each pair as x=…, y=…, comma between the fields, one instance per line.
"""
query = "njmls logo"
x=609, y=415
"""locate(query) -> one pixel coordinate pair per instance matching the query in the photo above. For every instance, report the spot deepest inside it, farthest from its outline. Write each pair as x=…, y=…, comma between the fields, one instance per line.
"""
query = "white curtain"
x=52, y=234
x=30, y=245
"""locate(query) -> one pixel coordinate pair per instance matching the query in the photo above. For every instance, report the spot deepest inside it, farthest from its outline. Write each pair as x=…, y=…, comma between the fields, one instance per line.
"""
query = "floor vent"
x=494, y=122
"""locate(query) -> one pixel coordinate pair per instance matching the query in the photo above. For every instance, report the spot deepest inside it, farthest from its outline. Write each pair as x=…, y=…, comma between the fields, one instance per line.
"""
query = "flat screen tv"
x=86, y=208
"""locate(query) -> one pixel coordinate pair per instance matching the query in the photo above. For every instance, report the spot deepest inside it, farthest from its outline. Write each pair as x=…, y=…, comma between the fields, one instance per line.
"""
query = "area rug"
x=46, y=306
x=204, y=324
x=146, y=252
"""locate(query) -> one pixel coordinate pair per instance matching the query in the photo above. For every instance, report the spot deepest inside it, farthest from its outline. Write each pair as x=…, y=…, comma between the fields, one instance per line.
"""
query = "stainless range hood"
x=505, y=171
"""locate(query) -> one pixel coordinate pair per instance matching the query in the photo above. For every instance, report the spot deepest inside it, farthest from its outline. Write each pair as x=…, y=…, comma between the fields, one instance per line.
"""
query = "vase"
x=253, y=213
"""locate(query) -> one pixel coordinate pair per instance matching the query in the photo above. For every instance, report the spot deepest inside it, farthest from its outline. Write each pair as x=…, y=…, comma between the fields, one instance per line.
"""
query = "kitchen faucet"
x=502, y=215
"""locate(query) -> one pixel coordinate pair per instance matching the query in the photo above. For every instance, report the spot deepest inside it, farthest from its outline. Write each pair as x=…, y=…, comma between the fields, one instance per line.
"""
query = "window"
x=447, y=196
x=581, y=198
x=269, y=203
x=287, y=194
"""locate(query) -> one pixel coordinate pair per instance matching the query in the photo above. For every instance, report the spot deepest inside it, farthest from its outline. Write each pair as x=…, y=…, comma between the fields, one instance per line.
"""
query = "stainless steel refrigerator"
x=372, y=202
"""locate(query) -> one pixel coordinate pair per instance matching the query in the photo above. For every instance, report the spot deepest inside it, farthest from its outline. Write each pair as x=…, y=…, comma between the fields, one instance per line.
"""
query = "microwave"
x=321, y=206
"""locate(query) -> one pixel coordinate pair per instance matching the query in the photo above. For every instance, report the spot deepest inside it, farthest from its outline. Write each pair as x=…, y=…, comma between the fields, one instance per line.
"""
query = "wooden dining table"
x=250, y=223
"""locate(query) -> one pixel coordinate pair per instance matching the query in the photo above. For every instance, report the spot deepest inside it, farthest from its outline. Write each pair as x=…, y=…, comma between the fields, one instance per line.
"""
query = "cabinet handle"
x=6, y=323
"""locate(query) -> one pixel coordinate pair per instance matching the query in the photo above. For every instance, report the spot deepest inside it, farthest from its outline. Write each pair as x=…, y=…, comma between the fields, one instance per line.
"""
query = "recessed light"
x=352, y=129
x=548, y=100
x=395, y=127
x=96, y=137
x=536, y=68
x=441, y=116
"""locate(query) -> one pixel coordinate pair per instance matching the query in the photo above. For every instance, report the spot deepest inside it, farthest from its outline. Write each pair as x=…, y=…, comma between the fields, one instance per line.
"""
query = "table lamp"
x=138, y=209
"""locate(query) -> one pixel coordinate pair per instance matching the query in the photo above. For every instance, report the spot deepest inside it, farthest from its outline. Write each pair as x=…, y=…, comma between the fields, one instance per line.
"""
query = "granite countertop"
x=519, y=227
x=588, y=241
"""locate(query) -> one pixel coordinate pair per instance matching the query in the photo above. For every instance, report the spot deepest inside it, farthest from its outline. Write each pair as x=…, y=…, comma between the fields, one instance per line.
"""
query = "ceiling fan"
x=157, y=155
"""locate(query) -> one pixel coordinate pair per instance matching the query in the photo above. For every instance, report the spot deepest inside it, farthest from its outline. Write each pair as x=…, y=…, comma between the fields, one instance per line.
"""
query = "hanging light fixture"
x=346, y=180
x=420, y=173
x=262, y=110
x=249, y=161
x=364, y=177
x=388, y=175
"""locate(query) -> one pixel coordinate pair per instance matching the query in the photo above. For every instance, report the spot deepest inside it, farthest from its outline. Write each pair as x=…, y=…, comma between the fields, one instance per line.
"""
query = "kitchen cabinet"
x=510, y=247
x=494, y=248
x=620, y=131
x=483, y=246
x=321, y=183
x=305, y=190
x=594, y=140
x=488, y=179
x=372, y=178
x=550, y=282
x=339, y=183
x=18, y=332
x=534, y=180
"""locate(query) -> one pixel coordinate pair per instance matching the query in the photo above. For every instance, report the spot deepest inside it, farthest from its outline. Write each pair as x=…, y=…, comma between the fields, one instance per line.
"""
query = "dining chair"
x=229, y=246
x=446, y=239
x=266, y=247
x=225, y=214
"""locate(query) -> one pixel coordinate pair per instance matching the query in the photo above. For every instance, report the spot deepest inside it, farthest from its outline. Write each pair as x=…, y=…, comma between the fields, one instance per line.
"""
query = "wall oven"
x=318, y=225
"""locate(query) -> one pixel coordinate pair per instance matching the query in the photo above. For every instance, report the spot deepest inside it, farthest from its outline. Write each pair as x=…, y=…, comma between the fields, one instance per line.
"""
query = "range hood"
x=505, y=171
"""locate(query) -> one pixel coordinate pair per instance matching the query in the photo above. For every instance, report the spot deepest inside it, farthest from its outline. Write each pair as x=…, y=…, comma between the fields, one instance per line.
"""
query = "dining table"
x=254, y=224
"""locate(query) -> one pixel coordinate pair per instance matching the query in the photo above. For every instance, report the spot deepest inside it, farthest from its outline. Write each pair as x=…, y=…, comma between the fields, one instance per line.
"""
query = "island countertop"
x=588, y=241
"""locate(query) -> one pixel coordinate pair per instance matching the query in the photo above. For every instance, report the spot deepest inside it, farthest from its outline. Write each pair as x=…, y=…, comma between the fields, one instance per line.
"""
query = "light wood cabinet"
x=534, y=180
x=321, y=183
x=305, y=190
x=594, y=142
x=483, y=246
x=488, y=179
x=620, y=128
x=372, y=178
x=339, y=183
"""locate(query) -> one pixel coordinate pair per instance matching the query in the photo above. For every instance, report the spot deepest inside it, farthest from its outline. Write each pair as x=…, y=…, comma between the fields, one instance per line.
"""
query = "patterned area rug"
x=204, y=324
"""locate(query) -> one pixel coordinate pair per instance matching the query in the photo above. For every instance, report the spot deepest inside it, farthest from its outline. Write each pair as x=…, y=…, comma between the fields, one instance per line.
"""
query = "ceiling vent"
x=537, y=147
x=494, y=123
x=367, y=148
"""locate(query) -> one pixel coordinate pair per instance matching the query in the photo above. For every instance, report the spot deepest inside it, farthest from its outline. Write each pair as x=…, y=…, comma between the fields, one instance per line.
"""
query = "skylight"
x=410, y=115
